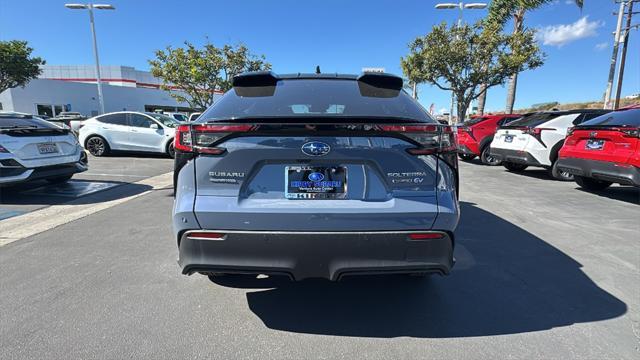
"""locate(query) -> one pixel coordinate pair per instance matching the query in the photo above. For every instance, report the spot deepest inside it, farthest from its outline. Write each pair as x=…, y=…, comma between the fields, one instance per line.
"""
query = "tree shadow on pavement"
x=506, y=281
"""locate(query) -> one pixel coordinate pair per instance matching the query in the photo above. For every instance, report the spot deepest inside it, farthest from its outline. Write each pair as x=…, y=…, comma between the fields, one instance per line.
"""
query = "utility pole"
x=623, y=57
x=614, y=56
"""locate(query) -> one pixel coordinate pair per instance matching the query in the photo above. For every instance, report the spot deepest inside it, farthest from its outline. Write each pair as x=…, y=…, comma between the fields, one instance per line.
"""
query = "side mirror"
x=154, y=126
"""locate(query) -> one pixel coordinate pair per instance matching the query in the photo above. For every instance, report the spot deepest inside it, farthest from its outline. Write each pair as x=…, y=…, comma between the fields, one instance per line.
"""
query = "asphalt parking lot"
x=544, y=270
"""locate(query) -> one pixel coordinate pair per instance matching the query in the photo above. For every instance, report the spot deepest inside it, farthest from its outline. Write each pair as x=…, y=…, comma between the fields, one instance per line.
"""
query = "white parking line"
x=22, y=226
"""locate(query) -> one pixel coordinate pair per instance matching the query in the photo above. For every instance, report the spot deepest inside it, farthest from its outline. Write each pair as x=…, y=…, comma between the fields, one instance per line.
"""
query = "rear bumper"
x=329, y=255
x=514, y=156
x=15, y=175
x=466, y=150
x=601, y=170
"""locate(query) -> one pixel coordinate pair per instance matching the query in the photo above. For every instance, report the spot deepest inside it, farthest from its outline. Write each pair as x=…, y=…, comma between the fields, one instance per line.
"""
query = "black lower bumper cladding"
x=514, y=156
x=330, y=255
x=601, y=170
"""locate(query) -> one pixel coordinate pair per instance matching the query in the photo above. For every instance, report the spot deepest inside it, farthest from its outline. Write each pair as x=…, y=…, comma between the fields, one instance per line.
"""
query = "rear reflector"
x=426, y=236
x=205, y=235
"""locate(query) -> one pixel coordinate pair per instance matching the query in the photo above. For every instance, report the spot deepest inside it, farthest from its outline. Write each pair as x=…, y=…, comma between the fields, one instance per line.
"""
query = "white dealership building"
x=73, y=88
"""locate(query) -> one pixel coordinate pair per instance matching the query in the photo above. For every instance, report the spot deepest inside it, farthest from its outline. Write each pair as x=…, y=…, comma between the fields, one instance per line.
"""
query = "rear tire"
x=171, y=151
x=466, y=157
x=97, y=146
x=59, y=179
x=487, y=159
x=513, y=167
x=559, y=174
x=592, y=184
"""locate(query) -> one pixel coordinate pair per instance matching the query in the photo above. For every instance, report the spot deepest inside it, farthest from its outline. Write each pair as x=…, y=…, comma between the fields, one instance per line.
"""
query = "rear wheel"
x=487, y=159
x=59, y=179
x=97, y=146
x=466, y=157
x=513, y=166
x=171, y=151
x=559, y=174
x=592, y=184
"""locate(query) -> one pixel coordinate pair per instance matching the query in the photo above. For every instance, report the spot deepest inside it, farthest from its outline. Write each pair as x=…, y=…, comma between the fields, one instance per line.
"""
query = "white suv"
x=32, y=149
x=536, y=139
x=129, y=131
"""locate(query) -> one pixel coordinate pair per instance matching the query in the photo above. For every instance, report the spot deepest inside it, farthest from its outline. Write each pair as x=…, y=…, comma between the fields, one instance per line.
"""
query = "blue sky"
x=338, y=35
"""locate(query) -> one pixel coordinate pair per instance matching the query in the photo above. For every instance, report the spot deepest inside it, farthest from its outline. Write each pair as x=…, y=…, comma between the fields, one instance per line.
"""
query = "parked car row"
x=593, y=147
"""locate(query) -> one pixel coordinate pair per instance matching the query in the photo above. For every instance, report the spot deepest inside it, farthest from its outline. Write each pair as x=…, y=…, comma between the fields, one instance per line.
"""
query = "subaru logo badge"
x=316, y=148
x=316, y=176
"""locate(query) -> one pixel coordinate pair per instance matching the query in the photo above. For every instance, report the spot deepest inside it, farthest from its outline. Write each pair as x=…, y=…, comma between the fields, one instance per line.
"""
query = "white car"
x=178, y=116
x=536, y=139
x=128, y=131
x=33, y=149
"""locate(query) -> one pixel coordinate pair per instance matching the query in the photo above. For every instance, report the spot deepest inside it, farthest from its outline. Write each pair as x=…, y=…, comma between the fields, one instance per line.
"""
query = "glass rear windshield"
x=293, y=99
x=533, y=120
x=167, y=121
x=474, y=121
x=616, y=118
x=24, y=122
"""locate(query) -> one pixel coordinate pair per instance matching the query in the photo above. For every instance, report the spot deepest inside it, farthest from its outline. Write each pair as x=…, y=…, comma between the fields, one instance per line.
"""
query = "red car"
x=475, y=135
x=604, y=150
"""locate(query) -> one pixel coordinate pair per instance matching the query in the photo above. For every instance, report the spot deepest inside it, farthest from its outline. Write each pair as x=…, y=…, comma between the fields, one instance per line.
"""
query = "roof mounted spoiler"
x=379, y=85
x=255, y=78
x=255, y=84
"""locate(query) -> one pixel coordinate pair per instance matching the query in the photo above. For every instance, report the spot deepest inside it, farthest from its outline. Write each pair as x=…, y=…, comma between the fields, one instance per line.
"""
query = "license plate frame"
x=594, y=145
x=47, y=148
x=330, y=183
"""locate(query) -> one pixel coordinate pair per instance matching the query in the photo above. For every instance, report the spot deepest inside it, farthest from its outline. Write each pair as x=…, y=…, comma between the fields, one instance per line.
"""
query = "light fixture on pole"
x=461, y=6
x=90, y=8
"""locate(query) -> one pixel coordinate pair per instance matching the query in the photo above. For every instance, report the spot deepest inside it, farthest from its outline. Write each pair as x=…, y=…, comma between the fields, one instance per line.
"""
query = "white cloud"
x=560, y=35
x=602, y=46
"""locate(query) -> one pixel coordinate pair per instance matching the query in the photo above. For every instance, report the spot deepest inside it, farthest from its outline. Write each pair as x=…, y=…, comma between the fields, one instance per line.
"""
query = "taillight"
x=630, y=132
x=570, y=130
x=200, y=138
x=433, y=139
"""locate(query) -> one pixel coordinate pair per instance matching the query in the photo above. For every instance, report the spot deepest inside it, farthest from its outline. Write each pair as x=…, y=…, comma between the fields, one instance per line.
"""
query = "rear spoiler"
x=263, y=83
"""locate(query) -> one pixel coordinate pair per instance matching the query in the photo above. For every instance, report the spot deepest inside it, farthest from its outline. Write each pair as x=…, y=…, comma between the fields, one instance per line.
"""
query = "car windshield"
x=629, y=117
x=308, y=98
x=167, y=121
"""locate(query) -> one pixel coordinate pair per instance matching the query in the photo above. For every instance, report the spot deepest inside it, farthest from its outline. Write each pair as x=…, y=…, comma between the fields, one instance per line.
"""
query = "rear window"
x=474, y=121
x=533, y=120
x=19, y=122
x=616, y=118
x=315, y=98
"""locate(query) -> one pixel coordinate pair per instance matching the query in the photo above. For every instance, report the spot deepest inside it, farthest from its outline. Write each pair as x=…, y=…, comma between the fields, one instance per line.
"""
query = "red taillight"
x=201, y=137
x=426, y=236
x=202, y=235
x=432, y=138
x=630, y=132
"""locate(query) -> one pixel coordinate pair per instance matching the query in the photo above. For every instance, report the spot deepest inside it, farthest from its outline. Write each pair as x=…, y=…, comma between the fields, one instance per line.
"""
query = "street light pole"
x=623, y=56
x=90, y=8
x=614, y=57
x=461, y=6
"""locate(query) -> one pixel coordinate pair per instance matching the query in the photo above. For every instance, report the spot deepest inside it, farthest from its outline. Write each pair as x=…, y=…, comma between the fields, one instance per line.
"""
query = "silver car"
x=315, y=176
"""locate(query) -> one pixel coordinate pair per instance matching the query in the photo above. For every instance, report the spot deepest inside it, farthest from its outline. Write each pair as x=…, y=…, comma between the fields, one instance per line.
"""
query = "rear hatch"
x=319, y=173
x=33, y=139
x=613, y=137
x=517, y=134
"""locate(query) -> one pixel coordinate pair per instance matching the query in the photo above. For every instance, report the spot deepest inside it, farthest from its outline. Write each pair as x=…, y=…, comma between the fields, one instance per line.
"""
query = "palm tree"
x=500, y=11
